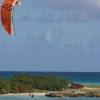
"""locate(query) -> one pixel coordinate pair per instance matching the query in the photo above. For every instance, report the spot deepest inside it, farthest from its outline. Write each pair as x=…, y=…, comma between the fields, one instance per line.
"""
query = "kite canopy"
x=7, y=15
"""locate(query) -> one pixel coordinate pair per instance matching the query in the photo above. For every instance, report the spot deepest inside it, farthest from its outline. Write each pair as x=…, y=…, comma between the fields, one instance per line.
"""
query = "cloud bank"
x=67, y=10
x=67, y=4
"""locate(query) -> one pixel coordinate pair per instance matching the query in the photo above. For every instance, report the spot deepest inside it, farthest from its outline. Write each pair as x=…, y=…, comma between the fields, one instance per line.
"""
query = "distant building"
x=75, y=86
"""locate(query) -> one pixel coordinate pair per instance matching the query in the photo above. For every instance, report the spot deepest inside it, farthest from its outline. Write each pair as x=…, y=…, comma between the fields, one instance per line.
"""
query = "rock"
x=73, y=94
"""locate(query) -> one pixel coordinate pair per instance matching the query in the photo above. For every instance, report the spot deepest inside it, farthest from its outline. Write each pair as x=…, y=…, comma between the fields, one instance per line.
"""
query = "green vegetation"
x=28, y=83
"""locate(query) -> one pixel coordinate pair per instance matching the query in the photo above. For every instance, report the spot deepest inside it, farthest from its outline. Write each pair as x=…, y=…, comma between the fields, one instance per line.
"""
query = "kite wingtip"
x=19, y=4
x=12, y=34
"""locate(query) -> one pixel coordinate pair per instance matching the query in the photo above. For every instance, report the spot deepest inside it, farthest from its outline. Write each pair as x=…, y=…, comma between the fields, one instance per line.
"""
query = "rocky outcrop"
x=80, y=94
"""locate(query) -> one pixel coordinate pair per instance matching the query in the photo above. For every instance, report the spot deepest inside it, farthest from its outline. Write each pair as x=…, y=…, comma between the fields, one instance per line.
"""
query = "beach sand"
x=85, y=89
x=24, y=94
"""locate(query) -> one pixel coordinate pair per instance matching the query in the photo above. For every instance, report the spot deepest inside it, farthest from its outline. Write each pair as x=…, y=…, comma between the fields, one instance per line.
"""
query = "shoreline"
x=86, y=91
x=23, y=94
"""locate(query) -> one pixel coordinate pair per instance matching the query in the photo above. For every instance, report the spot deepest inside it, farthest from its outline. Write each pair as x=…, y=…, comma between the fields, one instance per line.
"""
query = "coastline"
x=68, y=93
x=23, y=94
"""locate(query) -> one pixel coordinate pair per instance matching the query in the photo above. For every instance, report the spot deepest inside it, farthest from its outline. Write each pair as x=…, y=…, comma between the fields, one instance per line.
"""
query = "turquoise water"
x=46, y=98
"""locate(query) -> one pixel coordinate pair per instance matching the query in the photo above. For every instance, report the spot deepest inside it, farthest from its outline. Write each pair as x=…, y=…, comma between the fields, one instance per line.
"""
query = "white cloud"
x=67, y=4
x=53, y=36
x=68, y=10
x=50, y=36
x=93, y=3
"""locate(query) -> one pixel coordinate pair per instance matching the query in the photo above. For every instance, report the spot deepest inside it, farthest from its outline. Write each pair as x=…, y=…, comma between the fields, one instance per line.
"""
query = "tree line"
x=29, y=83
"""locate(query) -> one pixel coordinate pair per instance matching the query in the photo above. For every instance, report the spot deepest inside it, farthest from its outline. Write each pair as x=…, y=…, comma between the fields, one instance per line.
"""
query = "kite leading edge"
x=7, y=15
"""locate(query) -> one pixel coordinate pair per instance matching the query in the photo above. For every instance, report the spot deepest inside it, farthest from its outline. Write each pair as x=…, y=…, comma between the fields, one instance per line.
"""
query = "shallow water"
x=46, y=98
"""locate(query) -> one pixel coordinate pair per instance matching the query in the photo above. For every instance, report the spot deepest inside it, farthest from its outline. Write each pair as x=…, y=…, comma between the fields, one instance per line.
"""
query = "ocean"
x=92, y=78
x=46, y=98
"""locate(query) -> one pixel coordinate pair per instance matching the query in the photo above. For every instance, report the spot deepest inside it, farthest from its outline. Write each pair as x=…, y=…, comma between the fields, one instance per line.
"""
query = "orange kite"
x=7, y=15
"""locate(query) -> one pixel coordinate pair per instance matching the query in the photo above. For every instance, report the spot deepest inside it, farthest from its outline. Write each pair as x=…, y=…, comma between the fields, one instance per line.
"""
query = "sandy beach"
x=90, y=88
x=24, y=94
x=85, y=89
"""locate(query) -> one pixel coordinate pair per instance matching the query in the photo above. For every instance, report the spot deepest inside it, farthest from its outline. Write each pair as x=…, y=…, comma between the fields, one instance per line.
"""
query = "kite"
x=7, y=15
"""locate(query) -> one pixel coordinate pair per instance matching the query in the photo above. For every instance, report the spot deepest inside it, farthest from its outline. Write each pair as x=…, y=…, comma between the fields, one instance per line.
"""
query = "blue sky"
x=53, y=35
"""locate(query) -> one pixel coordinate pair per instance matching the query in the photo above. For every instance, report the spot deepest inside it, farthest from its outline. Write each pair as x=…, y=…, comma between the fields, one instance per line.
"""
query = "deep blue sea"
x=78, y=77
